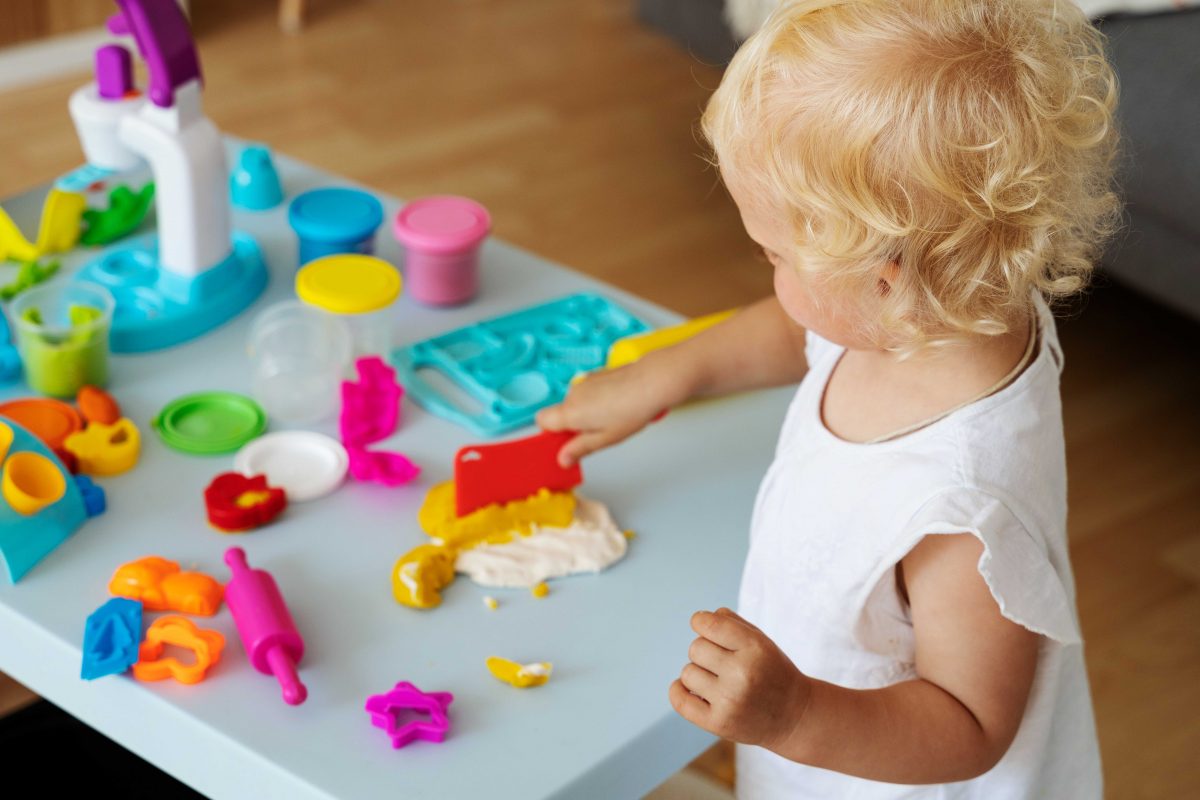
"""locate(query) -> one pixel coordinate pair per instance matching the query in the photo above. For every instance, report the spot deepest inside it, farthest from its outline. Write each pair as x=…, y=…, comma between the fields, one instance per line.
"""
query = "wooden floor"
x=575, y=126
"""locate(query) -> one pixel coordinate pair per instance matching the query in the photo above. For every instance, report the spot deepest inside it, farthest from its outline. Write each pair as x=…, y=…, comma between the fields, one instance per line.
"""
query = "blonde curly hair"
x=968, y=142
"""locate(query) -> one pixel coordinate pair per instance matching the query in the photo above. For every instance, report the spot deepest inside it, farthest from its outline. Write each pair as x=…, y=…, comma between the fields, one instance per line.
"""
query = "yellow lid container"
x=348, y=283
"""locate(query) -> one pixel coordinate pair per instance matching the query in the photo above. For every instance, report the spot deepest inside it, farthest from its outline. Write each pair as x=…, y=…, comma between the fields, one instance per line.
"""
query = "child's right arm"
x=757, y=347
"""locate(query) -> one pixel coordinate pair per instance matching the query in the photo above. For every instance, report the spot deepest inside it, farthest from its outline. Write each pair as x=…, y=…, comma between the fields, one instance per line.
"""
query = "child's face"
x=808, y=299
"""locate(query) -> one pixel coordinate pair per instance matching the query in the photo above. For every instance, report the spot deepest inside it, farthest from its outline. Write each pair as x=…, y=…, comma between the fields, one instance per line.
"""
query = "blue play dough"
x=509, y=367
x=111, y=637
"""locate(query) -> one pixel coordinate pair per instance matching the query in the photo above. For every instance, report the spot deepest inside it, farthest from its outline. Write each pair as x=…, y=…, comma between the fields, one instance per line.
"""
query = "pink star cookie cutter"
x=385, y=713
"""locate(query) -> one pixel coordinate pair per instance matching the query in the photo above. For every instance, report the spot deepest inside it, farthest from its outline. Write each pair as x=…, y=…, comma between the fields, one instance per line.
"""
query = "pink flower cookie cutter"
x=371, y=412
x=386, y=713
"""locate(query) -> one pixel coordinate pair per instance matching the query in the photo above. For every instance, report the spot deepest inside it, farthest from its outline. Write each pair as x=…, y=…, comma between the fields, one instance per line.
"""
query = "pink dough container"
x=441, y=236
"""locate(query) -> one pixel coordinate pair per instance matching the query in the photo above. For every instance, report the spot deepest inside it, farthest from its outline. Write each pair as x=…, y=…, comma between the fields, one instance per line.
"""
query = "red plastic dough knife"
x=506, y=471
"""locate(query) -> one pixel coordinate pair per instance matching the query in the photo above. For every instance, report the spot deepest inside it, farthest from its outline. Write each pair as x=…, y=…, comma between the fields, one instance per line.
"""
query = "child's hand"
x=608, y=407
x=739, y=684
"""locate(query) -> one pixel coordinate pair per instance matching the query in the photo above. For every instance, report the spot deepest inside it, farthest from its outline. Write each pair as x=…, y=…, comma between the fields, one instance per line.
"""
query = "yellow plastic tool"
x=522, y=676
x=57, y=233
x=6, y=440
x=628, y=350
x=106, y=449
x=31, y=482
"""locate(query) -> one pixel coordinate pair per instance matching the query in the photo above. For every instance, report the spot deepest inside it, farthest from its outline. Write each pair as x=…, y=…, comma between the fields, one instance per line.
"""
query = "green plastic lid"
x=208, y=423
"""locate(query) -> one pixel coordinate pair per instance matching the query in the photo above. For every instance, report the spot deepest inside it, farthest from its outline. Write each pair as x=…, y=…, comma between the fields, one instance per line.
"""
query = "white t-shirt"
x=832, y=520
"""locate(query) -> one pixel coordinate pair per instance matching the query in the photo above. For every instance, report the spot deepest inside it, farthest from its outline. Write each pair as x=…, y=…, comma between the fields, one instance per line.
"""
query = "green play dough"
x=58, y=363
x=125, y=212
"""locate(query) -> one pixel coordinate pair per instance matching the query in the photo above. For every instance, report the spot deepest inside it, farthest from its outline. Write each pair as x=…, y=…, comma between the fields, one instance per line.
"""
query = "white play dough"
x=589, y=544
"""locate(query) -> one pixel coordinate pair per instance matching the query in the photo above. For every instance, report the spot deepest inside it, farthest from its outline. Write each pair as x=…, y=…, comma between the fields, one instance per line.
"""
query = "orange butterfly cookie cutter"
x=181, y=632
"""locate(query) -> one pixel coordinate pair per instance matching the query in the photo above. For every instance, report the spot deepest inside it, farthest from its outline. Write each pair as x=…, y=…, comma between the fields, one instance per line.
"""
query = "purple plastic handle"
x=165, y=42
x=114, y=71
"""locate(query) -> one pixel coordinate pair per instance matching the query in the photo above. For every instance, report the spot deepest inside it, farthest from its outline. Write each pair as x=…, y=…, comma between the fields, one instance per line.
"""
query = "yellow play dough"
x=521, y=676
x=493, y=524
x=420, y=574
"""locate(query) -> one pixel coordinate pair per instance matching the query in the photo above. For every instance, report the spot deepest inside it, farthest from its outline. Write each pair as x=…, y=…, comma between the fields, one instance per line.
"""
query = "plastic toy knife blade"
x=505, y=471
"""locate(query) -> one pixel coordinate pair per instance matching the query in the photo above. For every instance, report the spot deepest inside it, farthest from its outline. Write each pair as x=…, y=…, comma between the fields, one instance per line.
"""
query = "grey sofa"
x=1157, y=59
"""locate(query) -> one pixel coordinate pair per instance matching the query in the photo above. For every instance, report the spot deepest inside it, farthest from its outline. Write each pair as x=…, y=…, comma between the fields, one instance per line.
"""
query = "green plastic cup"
x=62, y=336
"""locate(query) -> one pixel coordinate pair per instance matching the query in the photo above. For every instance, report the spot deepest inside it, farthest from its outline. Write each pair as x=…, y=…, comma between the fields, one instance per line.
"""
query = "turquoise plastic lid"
x=335, y=215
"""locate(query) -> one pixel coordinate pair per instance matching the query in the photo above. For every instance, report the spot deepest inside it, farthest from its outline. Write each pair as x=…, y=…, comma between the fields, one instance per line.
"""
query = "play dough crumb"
x=491, y=603
x=540, y=590
x=521, y=676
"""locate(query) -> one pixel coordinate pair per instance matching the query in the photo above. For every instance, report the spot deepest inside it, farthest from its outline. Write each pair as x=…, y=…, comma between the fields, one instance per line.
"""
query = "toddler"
x=924, y=177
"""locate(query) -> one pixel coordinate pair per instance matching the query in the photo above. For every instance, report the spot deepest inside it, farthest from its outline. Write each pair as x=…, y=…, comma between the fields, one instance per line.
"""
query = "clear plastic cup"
x=301, y=355
x=62, y=336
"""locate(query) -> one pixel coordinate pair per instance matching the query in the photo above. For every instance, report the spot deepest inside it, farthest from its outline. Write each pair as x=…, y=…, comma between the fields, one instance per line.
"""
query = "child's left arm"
x=952, y=723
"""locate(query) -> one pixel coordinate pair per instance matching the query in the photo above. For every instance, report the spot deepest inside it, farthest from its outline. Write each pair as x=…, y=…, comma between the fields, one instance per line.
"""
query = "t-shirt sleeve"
x=1020, y=567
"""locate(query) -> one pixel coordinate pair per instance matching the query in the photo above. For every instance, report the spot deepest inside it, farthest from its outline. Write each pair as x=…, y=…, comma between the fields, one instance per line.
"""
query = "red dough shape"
x=235, y=502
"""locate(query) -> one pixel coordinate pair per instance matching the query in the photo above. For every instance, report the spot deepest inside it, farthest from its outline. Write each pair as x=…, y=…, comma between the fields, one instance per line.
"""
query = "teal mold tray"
x=493, y=377
x=26, y=540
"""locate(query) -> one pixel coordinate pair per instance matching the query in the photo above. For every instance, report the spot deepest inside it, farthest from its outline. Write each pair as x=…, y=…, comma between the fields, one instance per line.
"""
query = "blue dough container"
x=335, y=220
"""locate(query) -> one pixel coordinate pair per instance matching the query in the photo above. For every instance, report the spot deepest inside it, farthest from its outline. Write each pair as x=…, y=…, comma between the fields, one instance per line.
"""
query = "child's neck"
x=874, y=393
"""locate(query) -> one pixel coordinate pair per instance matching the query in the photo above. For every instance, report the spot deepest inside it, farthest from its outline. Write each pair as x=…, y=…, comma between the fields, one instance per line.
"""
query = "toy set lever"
x=165, y=42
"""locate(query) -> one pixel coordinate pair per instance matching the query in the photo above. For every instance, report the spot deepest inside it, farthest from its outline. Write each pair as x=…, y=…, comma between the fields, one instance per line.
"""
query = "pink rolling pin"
x=265, y=625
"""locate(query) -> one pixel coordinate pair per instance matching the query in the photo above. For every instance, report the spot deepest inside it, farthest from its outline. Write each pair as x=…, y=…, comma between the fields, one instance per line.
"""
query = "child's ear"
x=889, y=274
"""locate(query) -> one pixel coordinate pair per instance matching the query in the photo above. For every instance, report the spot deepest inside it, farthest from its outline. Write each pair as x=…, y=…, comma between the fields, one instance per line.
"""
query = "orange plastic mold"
x=52, y=421
x=181, y=632
x=97, y=405
x=160, y=585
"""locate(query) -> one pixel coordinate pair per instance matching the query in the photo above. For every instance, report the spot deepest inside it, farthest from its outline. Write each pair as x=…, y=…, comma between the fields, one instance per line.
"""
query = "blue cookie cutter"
x=111, y=637
x=502, y=371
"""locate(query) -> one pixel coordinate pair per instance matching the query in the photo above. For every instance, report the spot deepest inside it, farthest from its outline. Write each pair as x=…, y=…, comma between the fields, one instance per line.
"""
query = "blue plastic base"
x=157, y=309
x=24, y=541
x=81, y=179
